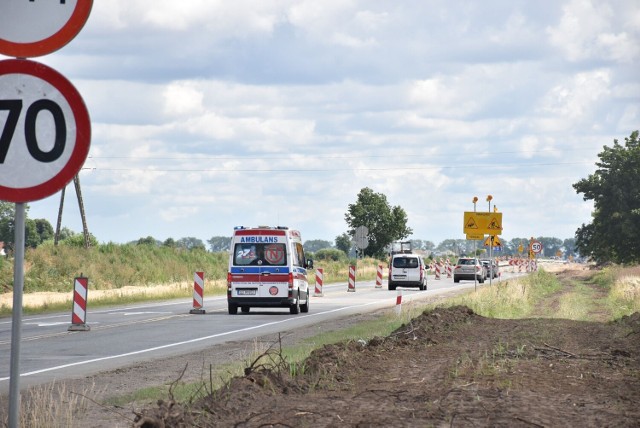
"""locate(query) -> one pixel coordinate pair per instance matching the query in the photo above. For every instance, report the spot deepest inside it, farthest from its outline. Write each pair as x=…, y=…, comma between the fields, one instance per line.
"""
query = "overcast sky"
x=207, y=114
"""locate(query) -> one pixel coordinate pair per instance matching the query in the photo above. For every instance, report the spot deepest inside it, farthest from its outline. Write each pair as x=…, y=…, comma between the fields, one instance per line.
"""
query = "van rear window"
x=260, y=255
x=405, y=262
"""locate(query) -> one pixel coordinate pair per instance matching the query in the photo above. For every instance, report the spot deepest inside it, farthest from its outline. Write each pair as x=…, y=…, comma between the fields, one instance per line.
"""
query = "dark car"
x=492, y=268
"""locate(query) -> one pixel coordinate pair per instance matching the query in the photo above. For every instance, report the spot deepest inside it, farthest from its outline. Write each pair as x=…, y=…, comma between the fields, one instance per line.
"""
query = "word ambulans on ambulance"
x=267, y=268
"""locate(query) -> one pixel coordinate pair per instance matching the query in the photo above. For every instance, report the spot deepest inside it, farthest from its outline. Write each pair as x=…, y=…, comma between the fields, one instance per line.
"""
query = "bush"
x=330, y=254
x=77, y=240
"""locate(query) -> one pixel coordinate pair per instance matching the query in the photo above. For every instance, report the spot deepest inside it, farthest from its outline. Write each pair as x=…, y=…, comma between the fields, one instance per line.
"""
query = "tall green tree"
x=343, y=243
x=385, y=223
x=44, y=229
x=36, y=231
x=149, y=240
x=569, y=247
x=550, y=245
x=190, y=243
x=614, y=233
x=219, y=244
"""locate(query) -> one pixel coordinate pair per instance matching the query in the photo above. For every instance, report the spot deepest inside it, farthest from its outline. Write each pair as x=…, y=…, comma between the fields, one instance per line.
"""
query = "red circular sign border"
x=83, y=131
x=54, y=42
x=532, y=244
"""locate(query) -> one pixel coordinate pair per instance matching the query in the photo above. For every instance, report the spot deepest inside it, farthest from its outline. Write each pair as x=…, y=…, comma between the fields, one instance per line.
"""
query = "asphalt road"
x=120, y=336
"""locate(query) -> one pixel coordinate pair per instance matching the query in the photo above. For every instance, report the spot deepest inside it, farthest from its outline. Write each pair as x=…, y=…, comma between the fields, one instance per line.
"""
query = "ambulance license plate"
x=246, y=292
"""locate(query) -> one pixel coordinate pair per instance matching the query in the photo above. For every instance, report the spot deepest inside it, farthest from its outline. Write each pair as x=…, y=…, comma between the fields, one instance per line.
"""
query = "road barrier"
x=379, y=277
x=437, y=270
x=399, y=302
x=352, y=278
x=79, y=315
x=449, y=269
x=319, y=280
x=198, y=292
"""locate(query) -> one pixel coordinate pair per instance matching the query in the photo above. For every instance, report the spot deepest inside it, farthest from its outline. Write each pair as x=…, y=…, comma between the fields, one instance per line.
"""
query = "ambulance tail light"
x=228, y=284
x=290, y=284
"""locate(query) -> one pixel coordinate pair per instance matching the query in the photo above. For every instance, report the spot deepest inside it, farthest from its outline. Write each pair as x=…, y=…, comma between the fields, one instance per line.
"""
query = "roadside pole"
x=491, y=261
x=16, y=318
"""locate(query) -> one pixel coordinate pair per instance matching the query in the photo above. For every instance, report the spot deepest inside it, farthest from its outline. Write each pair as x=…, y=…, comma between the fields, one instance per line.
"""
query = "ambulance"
x=267, y=268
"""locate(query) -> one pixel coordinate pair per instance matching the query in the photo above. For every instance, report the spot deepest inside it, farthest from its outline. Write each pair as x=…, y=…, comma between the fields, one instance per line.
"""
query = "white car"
x=469, y=268
x=407, y=270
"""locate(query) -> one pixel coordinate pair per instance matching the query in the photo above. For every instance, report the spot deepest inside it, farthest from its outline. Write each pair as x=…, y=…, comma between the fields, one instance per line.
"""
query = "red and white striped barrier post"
x=198, y=292
x=319, y=280
x=399, y=302
x=449, y=269
x=79, y=315
x=379, y=277
x=352, y=278
x=437, y=271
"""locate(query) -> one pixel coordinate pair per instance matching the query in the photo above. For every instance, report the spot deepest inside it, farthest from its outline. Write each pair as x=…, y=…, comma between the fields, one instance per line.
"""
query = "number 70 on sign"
x=45, y=131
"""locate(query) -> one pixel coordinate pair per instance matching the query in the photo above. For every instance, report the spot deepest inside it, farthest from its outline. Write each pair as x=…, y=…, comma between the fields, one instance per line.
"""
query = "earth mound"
x=447, y=366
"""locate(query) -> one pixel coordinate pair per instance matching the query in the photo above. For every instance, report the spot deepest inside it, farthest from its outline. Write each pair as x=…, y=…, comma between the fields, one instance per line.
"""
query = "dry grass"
x=624, y=295
x=52, y=405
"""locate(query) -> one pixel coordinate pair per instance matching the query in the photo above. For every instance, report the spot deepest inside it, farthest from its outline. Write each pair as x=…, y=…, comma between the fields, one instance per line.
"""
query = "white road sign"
x=536, y=247
x=45, y=131
x=31, y=28
x=361, y=237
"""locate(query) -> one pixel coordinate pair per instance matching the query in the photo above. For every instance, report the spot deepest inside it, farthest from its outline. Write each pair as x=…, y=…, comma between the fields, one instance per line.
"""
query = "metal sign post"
x=16, y=317
x=361, y=239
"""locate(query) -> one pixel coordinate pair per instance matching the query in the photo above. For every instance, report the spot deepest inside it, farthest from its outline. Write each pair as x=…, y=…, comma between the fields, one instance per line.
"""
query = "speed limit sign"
x=45, y=131
x=39, y=27
x=536, y=247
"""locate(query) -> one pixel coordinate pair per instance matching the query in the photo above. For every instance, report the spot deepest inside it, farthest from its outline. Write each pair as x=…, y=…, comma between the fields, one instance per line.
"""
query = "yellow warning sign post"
x=494, y=239
x=482, y=223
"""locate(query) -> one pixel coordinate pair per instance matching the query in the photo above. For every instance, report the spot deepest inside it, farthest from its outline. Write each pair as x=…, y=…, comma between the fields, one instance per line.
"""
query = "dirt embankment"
x=447, y=367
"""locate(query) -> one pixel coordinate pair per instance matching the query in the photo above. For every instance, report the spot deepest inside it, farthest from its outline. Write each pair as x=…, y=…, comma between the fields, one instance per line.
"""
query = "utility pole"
x=85, y=228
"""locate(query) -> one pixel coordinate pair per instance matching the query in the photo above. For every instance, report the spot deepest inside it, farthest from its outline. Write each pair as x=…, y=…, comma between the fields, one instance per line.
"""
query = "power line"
x=331, y=156
x=393, y=168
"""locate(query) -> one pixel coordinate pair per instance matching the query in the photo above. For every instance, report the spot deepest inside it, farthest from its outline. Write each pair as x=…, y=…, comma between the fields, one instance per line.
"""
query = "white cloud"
x=173, y=213
x=182, y=99
x=208, y=114
x=593, y=30
x=575, y=99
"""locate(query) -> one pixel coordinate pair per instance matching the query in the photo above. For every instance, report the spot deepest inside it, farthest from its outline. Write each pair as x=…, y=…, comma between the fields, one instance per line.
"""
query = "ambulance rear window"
x=260, y=255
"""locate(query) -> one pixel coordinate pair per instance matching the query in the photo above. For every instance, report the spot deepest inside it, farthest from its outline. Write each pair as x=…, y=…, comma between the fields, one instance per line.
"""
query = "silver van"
x=407, y=270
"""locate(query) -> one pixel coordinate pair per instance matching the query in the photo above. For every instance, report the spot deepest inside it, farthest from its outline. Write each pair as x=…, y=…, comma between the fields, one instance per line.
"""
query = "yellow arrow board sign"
x=487, y=223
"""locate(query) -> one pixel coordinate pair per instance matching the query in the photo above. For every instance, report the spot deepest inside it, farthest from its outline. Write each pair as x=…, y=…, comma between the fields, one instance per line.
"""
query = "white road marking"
x=186, y=342
x=47, y=324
